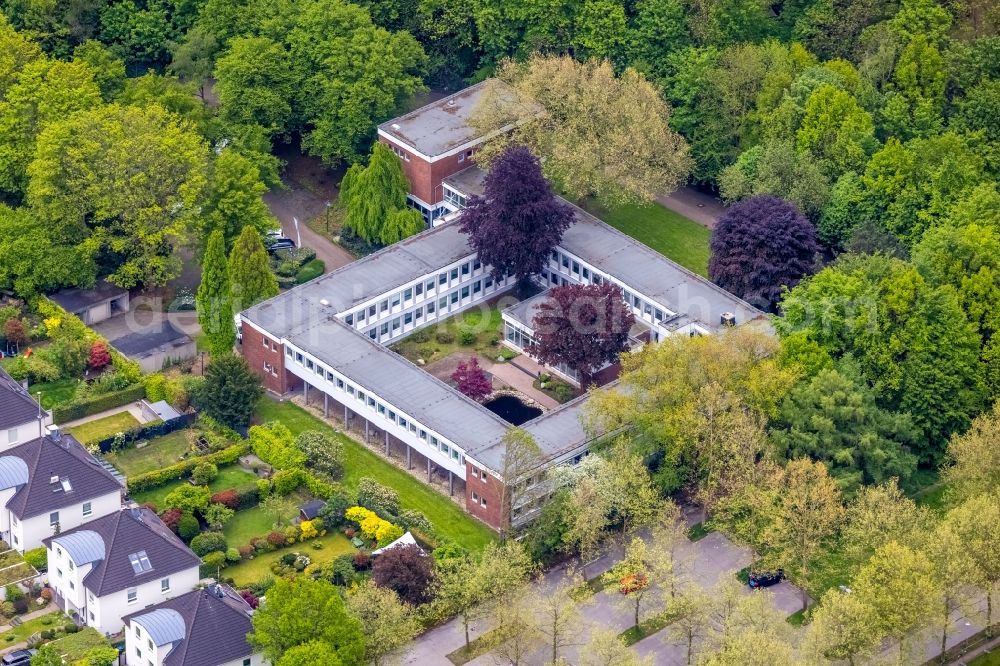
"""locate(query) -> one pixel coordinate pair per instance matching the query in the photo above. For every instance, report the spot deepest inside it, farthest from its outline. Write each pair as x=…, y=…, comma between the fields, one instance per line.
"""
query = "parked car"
x=275, y=244
x=760, y=579
x=18, y=658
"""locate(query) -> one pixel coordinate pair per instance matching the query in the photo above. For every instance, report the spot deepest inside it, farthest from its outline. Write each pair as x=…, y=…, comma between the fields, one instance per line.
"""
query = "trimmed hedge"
x=77, y=409
x=143, y=482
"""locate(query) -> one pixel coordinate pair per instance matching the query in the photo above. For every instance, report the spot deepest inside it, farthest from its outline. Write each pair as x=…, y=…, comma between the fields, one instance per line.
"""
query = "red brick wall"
x=425, y=177
x=490, y=490
x=256, y=354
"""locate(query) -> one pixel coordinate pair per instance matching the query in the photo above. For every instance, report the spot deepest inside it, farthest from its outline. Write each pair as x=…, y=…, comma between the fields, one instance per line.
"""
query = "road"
x=297, y=202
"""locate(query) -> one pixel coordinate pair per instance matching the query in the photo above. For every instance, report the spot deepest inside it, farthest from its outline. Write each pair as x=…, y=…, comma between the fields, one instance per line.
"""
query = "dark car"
x=760, y=579
x=18, y=658
x=275, y=244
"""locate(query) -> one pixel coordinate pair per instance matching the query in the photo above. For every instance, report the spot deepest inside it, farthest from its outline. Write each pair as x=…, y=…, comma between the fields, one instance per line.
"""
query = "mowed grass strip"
x=671, y=234
x=447, y=517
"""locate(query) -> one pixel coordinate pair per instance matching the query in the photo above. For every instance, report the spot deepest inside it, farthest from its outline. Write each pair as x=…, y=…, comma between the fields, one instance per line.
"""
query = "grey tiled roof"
x=46, y=459
x=17, y=407
x=130, y=531
x=216, y=623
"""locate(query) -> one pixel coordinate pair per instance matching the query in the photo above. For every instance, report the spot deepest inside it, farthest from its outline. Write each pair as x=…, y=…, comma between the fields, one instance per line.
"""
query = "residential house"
x=49, y=485
x=204, y=627
x=21, y=418
x=108, y=568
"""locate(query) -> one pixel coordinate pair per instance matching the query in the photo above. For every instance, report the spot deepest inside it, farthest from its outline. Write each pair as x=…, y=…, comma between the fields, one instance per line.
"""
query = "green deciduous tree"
x=898, y=585
x=808, y=513
x=250, y=277
x=836, y=130
x=256, y=84
x=373, y=195
x=33, y=259
x=122, y=181
x=386, y=622
x=974, y=458
x=233, y=198
x=213, y=300
x=599, y=135
x=303, y=611
x=841, y=629
x=45, y=91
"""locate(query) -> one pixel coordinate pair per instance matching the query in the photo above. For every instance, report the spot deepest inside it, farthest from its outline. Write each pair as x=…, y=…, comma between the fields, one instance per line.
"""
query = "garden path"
x=520, y=374
x=694, y=205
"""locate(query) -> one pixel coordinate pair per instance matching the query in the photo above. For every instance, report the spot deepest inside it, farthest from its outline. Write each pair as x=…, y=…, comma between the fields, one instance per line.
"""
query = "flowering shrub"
x=250, y=598
x=276, y=538
x=308, y=529
x=374, y=527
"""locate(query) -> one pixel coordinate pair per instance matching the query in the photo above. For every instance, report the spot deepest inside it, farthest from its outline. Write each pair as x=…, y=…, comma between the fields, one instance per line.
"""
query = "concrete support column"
x=428, y=470
x=366, y=431
x=345, y=417
x=451, y=483
x=326, y=405
x=408, y=452
x=305, y=391
x=387, y=444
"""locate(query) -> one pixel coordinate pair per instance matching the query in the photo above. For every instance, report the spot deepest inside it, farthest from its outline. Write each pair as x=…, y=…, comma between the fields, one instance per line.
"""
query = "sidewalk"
x=694, y=205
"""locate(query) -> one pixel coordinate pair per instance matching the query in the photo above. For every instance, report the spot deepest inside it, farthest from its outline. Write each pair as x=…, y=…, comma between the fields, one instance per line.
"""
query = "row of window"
x=566, y=264
x=414, y=294
x=380, y=408
x=87, y=509
x=481, y=501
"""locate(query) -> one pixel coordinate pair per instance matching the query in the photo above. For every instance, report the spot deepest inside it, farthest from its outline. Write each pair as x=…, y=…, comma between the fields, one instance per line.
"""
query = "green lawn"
x=229, y=477
x=245, y=525
x=55, y=393
x=988, y=659
x=157, y=454
x=95, y=431
x=672, y=235
x=447, y=517
x=251, y=571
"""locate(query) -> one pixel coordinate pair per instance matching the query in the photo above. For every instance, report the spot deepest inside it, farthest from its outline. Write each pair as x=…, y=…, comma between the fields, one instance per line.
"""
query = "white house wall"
x=111, y=608
x=29, y=532
x=25, y=432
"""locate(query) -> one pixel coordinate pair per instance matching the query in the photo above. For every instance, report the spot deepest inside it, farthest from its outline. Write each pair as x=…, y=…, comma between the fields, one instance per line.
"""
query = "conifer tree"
x=250, y=271
x=215, y=310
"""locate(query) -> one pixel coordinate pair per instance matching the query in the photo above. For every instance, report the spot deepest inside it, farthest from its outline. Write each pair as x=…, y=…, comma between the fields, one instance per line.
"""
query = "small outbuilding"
x=310, y=510
x=103, y=301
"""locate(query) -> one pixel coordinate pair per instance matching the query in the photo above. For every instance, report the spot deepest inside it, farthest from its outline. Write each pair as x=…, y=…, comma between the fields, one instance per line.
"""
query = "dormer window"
x=54, y=479
x=140, y=562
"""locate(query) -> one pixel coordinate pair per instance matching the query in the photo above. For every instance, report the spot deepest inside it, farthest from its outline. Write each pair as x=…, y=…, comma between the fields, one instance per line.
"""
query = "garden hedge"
x=77, y=409
x=149, y=480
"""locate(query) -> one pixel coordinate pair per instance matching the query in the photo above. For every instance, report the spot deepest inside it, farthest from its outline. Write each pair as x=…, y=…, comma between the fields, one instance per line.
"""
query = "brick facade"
x=274, y=377
x=425, y=177
x=488, y=489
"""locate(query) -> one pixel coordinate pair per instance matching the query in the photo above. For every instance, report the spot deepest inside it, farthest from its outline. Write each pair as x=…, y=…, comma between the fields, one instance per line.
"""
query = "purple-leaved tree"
x=760, y=245
x=583, y=326
x=472, y=380
x=517, y=221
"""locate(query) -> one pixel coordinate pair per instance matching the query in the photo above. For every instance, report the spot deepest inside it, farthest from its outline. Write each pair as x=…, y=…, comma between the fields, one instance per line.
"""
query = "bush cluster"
x=38, y=558
x=377, y=497
x=373, y=527
x=208, y=542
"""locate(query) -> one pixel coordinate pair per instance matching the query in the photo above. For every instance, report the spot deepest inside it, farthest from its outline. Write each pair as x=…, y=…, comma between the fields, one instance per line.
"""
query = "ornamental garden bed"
x=254, y=570
x=230, y=476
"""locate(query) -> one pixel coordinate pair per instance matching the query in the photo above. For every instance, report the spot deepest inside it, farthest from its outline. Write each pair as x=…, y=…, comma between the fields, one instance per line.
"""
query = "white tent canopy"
x=405, y=540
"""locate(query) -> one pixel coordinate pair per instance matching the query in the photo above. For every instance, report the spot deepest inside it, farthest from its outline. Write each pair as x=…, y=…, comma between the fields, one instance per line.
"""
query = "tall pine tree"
x=215, y=310
x=250, y=271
